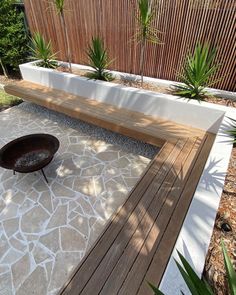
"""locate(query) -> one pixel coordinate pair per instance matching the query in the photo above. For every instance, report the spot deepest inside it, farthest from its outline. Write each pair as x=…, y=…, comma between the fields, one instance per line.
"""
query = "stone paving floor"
x=45, y=230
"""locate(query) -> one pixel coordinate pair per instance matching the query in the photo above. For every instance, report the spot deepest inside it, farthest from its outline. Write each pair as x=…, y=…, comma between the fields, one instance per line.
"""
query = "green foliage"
x=13, y=38
x=59, y=4
x=195, y=285
x=197, y=73
x=200, y=287
x=232, y=131
x=155, y=289
x=146, y=16
x=42, y=50
x=7, y=100
x=230, y=272
x=146, y=31
x=99, y=60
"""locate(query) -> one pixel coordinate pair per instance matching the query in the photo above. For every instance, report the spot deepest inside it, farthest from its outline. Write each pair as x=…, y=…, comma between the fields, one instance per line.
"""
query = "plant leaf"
x=231, y=274
x=155, y=290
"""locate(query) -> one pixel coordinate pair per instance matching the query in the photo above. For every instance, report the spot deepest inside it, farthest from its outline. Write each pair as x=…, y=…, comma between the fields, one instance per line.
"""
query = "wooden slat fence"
x=183, y=23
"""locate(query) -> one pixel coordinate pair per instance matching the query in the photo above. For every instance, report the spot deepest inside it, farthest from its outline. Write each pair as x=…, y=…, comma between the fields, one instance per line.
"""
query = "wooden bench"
x=137, y=242
x=134, y=124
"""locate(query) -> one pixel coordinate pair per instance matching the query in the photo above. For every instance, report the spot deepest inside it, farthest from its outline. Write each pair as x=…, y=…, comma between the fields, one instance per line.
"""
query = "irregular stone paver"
x=72, y=240
x=33, y=221
x=59, y=217
x=51, y=240
x=11, y=226
x=64, y=262
x=20, y=270
x=36, y=282
x=45, y=229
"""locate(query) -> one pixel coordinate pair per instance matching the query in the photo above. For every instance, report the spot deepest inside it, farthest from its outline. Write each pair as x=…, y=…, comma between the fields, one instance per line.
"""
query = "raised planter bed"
x=151, y=103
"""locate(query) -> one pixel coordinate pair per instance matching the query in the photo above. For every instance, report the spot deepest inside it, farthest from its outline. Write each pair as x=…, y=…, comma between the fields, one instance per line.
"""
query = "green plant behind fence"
x=41, y=50
x=197, y=73
x=99, y=60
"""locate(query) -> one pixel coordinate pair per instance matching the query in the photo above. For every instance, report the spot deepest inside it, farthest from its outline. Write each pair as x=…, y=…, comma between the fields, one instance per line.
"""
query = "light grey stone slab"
x=34, y=220
x=20, y=270
x=71, y=240
x=51, y=240
x=11, y=226
x=64, y=265
x=59, y=217
x=35, y=284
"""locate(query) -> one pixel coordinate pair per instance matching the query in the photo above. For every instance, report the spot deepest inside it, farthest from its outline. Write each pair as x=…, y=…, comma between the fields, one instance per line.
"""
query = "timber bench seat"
x=137, y=242
x=134, y=124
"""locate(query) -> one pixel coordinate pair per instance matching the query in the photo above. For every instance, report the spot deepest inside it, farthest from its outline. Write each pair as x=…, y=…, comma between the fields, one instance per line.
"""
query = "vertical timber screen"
x=183, y=24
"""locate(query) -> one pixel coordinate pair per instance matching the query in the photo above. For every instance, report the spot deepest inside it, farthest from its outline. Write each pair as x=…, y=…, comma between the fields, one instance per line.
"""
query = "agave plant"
x=146, y=31
x=42, y=50
x=99, y=60
x=232, y=131
x=59, y=5
x=197, y=73
x=200, y=287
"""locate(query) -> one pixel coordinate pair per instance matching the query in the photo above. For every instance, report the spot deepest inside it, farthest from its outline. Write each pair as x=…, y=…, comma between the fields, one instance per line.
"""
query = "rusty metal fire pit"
x=29, y=153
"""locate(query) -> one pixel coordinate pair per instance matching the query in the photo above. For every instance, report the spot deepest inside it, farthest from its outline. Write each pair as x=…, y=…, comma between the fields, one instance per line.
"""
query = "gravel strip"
x=128, y=144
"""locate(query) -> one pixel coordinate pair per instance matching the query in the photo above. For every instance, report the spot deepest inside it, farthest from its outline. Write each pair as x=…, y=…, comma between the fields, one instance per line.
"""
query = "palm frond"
x=197, y=73
x=232, y=131
x=41, y=50
x=99, y=60
x=231, y=274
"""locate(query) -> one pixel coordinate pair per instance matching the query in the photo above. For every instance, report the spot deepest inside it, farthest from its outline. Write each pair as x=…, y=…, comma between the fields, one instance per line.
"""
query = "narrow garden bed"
x=214, y=270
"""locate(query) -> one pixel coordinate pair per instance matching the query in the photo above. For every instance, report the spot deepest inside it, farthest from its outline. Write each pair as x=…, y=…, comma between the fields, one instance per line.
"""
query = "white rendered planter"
x=194, y=237
x=164, y=106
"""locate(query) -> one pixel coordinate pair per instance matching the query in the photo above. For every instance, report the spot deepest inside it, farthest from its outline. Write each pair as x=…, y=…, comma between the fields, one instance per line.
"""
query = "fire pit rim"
x=55, y=146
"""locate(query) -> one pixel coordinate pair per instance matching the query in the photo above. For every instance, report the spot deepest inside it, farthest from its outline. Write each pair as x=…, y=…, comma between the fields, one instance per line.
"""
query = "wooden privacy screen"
x=183, y=23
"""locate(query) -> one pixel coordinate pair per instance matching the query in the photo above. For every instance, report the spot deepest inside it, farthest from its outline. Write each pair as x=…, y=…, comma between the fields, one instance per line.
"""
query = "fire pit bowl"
x=29, y=153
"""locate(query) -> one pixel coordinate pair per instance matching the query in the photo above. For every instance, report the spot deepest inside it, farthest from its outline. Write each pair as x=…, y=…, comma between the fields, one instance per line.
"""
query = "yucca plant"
x=59, y=5
x=42, y=50
x=200, y=287
x=99, y=60
x=197, y=73
x=146, y=31
x=232, y=131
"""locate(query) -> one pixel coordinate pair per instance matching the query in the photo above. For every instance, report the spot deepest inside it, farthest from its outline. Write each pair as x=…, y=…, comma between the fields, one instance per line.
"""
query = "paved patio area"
x=45, y=230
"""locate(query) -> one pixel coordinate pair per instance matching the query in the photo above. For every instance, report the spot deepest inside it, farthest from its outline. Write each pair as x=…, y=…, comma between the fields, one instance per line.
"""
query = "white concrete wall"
x=164, y=106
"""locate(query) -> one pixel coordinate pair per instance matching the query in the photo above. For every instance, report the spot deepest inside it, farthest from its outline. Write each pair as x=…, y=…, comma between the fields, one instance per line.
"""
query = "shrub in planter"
x=197, y=73
x=99, y=60
x=41, y=50
x=197, y=286
x=232, y=131
x=13, y=38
